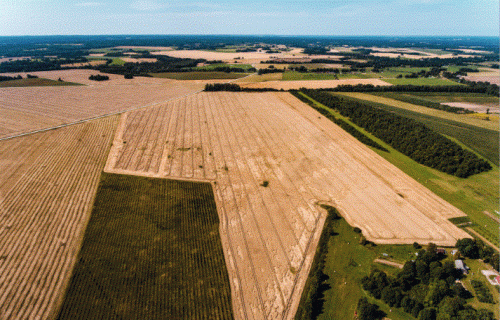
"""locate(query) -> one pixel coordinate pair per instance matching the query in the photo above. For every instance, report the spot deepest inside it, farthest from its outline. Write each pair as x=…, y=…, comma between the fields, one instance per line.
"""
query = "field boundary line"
x=98, y=117
x=475, y=233
x=154, y=175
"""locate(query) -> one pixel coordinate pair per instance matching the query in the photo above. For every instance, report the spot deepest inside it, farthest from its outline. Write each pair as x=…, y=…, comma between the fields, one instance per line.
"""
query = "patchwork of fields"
x=272, y=160
x=32, y=108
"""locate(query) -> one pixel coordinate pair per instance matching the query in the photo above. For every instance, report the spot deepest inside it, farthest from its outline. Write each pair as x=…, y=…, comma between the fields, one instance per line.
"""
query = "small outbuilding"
x=460, y=265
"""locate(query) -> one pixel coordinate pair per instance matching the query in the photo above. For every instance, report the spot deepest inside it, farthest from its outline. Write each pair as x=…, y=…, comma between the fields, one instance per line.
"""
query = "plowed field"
x=47, y=185
x=272, y=160
x=27, y=109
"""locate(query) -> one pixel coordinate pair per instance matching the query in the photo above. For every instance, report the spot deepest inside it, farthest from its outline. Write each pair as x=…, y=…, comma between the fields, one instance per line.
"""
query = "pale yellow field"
x=310, y=84
x=26, y=109
x=239, y=141
x=47, y=186
x=462, y=118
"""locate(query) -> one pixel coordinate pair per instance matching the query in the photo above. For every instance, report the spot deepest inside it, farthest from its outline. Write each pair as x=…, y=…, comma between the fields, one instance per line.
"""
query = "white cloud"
x=146, y=5
x=89, y=4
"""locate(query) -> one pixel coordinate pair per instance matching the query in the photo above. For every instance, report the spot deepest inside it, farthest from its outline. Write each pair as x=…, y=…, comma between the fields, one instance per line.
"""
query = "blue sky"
x=335, y=17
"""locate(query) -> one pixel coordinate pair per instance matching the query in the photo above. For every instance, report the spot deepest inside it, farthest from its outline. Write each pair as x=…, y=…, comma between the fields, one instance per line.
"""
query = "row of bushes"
x=408, y=136
x=311, y=302
x=98, y=77
x=483, y=294
x=341, y=123
x=233, y=87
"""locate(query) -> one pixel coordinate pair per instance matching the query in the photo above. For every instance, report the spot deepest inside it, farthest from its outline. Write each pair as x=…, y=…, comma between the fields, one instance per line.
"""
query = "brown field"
x=81, y=64
x=243, y=57
x=311, y=84
x=272, y=160
x=27, y=109
x=47, y=185
x=484, y=75
x=474, y=107
x=137, y=60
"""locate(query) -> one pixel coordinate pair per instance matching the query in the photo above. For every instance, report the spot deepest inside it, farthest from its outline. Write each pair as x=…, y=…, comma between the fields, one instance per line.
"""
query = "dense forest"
x=406, y=135
x=471, y=87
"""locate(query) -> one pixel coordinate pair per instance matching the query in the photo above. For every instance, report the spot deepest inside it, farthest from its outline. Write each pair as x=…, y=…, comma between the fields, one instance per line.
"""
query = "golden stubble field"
x=272, y=160
x=25, y=109
x=47, y=185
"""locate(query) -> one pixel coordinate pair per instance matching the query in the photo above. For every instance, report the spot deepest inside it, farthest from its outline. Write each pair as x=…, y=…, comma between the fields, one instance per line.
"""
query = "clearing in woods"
x=47, y=186
x=272, y=160
x=151, y=251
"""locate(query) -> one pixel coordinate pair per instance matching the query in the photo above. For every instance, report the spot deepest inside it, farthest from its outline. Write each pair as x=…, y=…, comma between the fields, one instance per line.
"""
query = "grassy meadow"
x=35, y=82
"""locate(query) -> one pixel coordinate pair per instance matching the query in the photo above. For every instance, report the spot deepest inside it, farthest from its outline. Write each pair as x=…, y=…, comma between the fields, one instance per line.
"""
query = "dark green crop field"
x=152, y=250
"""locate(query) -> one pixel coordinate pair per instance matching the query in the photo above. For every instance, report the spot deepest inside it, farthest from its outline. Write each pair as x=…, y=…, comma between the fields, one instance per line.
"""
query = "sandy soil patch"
x=474, y=107
x=243, y=57
x=26, y=109
x=311, y=84
x=13, y=59
x=139, y=60
x=238, y=141
x=47, y=186
x=491, y=78
x=81, y=64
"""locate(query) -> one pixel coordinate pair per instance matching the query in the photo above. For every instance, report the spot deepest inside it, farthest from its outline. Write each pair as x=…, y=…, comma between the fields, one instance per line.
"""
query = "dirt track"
x=240, y=140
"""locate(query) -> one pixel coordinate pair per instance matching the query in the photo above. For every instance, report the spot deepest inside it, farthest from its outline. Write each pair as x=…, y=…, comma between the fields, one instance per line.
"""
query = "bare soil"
x=47, y=186
x=25, y=109
x=239, y=141
x=311, y=84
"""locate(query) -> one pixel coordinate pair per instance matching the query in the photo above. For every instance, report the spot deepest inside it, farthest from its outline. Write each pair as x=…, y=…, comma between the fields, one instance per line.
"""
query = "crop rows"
x=272, y=162
x=47, y=185
x=152, y=250
x=30, y=108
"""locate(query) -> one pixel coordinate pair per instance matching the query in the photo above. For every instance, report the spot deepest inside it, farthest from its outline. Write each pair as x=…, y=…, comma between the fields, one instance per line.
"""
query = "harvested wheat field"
x=47, y=186
x=242, y=57
x=311, y=84
x=272, y=160
x=26, y=109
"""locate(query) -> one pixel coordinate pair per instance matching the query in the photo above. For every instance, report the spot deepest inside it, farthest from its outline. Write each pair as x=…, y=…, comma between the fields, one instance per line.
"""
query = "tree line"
x=406, y=135
x=471, y=87
x=311, y=302
x=31, y=65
